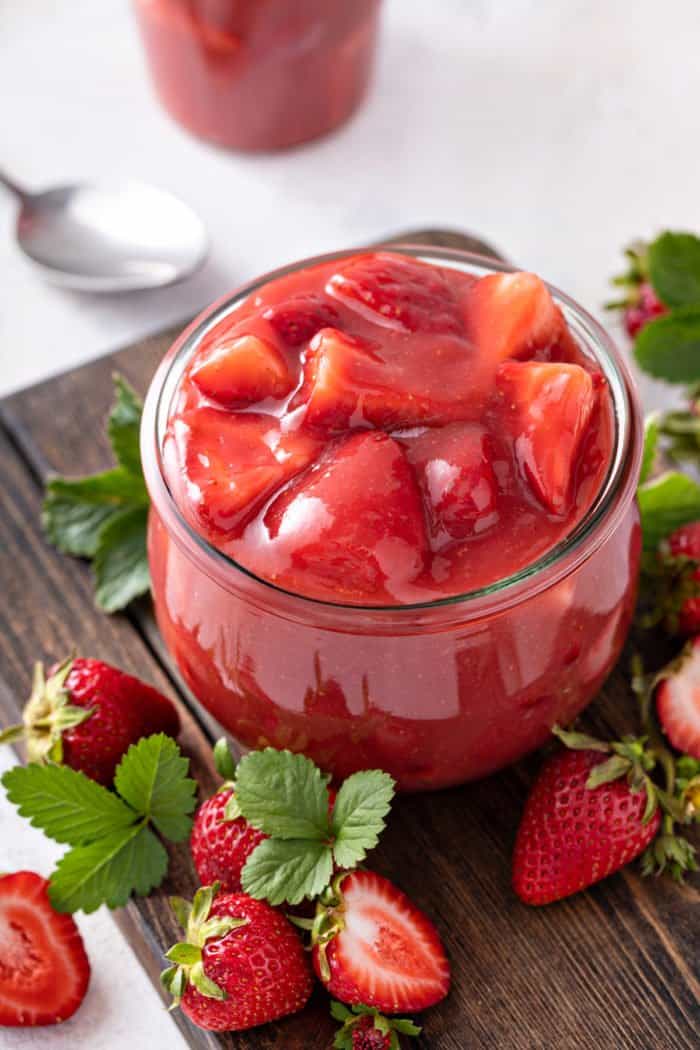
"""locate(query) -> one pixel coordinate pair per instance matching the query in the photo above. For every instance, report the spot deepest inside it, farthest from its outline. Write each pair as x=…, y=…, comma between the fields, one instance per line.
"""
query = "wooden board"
x=614, y=968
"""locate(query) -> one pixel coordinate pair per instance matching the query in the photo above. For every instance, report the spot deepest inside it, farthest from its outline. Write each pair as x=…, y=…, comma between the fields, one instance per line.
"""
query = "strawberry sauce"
x=375, y=432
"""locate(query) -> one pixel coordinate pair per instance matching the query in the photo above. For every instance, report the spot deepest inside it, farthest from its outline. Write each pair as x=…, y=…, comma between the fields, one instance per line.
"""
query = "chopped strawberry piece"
x=397, y=292
x=350, y=382
x=223, y=466
x=550, y=407
x=457, y=480
x=387, y=953
x=242, y=369
x=352, y=525
x=678, y=703
x=297, y=320
x=512, y=315
x=44, y=971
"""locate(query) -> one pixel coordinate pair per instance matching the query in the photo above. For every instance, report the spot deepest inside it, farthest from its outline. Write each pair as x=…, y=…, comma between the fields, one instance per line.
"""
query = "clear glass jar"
x=436, y=693
x=259, y=74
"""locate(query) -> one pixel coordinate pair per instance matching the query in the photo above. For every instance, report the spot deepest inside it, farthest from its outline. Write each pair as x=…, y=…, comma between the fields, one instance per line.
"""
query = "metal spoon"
x=108, y=237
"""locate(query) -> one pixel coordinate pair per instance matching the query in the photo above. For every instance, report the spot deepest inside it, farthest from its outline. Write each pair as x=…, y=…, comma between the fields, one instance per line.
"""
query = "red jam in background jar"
x=260, y=74
x=404, y=451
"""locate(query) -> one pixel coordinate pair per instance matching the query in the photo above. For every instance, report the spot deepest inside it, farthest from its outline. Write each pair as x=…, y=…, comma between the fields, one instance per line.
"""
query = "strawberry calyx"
x=188, y=968
x=47, y=715
x=357, y=1022
x=328, y=921
x=672, y=580
x=688, y=786
x=636, y=274
x=226, y=768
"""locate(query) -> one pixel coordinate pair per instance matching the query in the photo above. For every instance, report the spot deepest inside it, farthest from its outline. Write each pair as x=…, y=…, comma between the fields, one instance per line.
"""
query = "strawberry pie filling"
x=377, y=430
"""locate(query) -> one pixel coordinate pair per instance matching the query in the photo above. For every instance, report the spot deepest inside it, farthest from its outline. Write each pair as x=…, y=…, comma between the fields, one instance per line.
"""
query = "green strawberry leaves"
x=666, y=503
x=669, y=347
x=673, y=262
x=114, y=850
x=103, y=517
x=286, y=796
x=351, y=1019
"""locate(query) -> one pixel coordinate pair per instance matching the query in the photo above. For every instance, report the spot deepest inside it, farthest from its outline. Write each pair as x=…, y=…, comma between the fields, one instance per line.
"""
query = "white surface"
x=559, y=129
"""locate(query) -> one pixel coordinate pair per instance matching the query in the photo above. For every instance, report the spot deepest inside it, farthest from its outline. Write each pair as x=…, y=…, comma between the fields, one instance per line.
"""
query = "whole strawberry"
x=640, y=304
x=683, y=546
x=364, y=1028
x=643, y=307
x=221, y=845
x=242, y=963
x=588, y=814
x=87, y=714
x=373, y=946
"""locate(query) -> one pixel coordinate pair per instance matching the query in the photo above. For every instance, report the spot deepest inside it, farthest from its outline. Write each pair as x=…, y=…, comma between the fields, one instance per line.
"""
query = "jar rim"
x=616, y=491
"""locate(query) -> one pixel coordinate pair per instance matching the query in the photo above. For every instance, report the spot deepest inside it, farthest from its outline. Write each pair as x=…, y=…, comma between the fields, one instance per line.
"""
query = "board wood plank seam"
x=614, y=968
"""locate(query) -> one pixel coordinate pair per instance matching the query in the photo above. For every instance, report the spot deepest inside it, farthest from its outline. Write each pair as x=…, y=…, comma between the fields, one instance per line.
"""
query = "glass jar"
x=435, y=693
x=259, y=74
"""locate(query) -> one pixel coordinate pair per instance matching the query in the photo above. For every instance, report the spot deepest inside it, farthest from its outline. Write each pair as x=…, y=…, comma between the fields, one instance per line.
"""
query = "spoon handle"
x=13, y=186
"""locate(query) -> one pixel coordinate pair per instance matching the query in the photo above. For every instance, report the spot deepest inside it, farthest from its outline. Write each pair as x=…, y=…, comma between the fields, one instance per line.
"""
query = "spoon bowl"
x=109, y=237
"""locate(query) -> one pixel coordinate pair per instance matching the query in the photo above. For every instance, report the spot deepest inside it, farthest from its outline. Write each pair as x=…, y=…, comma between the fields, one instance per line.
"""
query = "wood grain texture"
x=614, y=968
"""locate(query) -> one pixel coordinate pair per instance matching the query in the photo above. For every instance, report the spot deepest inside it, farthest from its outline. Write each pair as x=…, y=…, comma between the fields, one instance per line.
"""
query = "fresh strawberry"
x=684, y=544
x=239, y=370
x=223, y=466
x=368, y=533
x=644, y=307
x=87, y=714
x=512, y=315
x=678, y=702
x=365, y=1028
x=220, y=846
x=550, y=407
x=242, y=964
x=399, y=293
x=372, y=945
x=44, y=970
x=456, y=478
x=297, y=320
x=589, y=813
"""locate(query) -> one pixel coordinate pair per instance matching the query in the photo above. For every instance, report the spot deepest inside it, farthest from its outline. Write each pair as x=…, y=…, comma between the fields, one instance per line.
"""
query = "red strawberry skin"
x=125, y=709
x=221, y=847
x=678, y=704
x=366, y=1037
x=685, y=541
x=645, y=308
x=571, y=837
x=44, y=970
x=389, y=954
x=261, y=966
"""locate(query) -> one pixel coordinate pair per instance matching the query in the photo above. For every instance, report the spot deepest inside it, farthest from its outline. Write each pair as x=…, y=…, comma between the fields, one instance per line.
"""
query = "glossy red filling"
x=377, y=430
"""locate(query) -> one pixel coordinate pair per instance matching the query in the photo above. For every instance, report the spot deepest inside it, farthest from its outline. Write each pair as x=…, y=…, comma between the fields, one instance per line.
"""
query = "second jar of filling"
x=259, y=74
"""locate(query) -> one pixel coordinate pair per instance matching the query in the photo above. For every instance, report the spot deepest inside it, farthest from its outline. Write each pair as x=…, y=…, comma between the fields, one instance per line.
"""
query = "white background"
x=558, y=129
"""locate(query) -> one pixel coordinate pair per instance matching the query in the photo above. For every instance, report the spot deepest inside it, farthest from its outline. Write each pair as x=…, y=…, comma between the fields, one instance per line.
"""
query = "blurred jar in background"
x=260, y=74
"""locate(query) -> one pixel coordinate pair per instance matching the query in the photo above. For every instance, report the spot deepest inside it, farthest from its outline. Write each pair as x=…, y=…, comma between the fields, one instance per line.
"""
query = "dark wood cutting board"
x=613, y=968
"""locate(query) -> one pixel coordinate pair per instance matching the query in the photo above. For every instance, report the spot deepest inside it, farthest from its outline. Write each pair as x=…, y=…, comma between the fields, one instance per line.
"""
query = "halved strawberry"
x=349, y=382
x=512, y=315
x=297, y=320
x=352, y=526
x=242, y=369
x=678, y=702
x=550, y=408
x=457, y=480
x=224, y=465
x=372, y=945
x=397, y=292
x=44, y=970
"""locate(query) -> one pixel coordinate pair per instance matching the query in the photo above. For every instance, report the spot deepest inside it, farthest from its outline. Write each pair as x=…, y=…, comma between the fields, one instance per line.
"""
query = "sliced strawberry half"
x=223, y=466
x=456, y=478
x=44, y=970
x=512, y=315
x=374, y=946
x=242, y=369
x=678, y=703
x=550, y=407
x=397, y=292
x=350, y=382
x=297, y=320
x=352, y=526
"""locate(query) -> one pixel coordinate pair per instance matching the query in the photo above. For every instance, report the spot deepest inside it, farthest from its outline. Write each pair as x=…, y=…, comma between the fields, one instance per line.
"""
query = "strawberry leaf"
x=152, y=778
x=121, y=560
x=651, y=442
x=673, y=260
x=75, y=509
x=669, y=346
x=666, y=503
x=283, y=794
x=68, y=806
x=280, y=870
x=123, y=426
x=361, y=805
x=108, y=871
